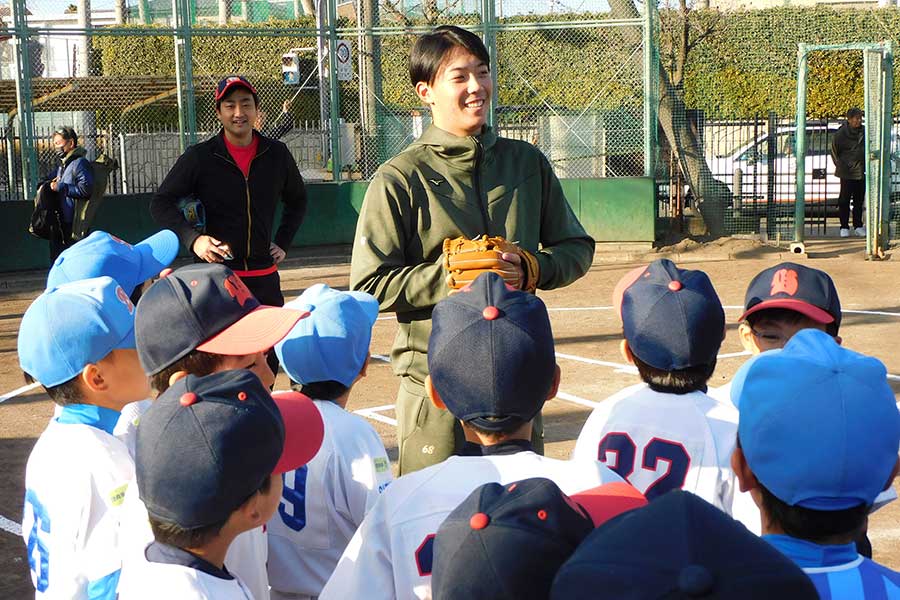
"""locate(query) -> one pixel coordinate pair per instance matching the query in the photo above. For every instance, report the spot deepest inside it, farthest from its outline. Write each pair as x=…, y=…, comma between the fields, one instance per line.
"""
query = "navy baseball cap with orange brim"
x=207, y=444
x=231, y=82
x=790, y=286
x=206, y=307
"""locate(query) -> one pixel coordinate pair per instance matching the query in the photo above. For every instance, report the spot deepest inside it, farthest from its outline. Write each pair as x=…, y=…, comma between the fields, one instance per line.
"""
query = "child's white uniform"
x=246, y=557
x=178, y=577
x=75, y=483
x=126, y=428
x=390, y=555
x=660, y=442
x=324, y=503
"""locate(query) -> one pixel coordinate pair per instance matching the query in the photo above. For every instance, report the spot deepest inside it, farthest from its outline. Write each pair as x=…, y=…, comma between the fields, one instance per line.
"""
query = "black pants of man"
x=852, y=190
x=267, y=290
x=59, y=241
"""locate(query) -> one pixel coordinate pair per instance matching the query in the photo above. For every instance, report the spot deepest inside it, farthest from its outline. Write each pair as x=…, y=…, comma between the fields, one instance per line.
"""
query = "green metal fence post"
x=190, y=106
x=800, y=141
x=884, y=228
x=649, y=112
x=24, y=101
x=334, y=85
x=489, y=33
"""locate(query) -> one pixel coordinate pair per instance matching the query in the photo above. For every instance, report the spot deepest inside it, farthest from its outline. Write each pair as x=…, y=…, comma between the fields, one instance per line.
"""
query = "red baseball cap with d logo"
x=810, y=292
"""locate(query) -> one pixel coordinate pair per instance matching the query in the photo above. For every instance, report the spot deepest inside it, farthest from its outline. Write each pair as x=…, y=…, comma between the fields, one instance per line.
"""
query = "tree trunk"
x=309, y=7
x=119, y=6
x=224, y=10
x=712, y=196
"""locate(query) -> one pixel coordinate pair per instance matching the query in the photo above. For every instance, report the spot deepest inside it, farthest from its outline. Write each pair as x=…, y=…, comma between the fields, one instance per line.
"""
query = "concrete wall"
x=617, y=210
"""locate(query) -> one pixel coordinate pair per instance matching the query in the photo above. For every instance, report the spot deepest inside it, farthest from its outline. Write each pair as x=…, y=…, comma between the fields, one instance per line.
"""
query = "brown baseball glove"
x=466, y=259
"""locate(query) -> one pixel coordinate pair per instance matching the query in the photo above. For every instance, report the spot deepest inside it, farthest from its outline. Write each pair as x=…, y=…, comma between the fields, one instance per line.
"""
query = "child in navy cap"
x=210, y=452
x=132, y=266
x=199, y=320
x=492, y=365
x=679, y=547
x=666, y=434
x=77, y=340
x=818, y=439
x=324, y=502
x=480, y=549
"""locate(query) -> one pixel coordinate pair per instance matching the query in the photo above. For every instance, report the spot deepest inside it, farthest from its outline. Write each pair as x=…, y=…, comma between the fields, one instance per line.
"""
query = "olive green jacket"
x=443, y=186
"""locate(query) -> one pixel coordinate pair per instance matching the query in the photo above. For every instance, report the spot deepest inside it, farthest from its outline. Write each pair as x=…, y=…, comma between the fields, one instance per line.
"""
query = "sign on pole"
x=344, y=64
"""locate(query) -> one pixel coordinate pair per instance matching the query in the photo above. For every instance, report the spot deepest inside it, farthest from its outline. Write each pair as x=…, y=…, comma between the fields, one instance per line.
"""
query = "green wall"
x=612, y=210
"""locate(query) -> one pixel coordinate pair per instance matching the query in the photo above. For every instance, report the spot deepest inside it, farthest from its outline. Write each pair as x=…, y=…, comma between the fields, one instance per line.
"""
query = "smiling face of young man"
x=459, y=96
x=238, y=112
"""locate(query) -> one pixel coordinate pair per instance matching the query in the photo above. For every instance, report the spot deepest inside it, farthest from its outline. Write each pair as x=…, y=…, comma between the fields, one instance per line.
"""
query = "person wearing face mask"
x=74, y=180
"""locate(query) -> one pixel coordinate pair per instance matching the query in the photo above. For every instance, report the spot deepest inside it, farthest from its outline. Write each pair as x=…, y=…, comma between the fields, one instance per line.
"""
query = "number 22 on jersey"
x=620, y=454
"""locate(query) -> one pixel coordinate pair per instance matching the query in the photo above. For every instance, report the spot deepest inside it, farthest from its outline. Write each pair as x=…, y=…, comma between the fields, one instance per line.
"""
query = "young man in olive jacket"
x=458, y=178
x=239, y=175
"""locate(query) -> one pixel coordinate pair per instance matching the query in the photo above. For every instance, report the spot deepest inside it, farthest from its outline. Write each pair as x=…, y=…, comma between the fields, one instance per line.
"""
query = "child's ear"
x=176, y=376
x=92, y=378
x=748, y=340
x=554, y=389
x=894, y=472
x=365, y=368
x=746, y=478
x=625, y=350
x=433, y=394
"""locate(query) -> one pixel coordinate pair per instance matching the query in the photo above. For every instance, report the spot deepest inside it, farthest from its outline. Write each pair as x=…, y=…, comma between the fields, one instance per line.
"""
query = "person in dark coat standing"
x=74, y=180
x=848, y=151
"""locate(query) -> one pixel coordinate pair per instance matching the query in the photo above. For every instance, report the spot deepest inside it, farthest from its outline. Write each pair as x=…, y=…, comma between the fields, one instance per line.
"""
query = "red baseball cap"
x=799, y=288
x=609, y=500
x=231, y=82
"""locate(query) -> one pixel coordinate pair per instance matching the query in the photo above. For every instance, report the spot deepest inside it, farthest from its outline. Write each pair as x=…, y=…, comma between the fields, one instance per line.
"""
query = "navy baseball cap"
x=672, y=317
x=812, y=400
x=810, y=292
x=491, y=355
x=74, y=325
x=205, y=307
x=207, y=444
x=103, y=254
x=332, y=344
x=231, y=82
x=678, y=546
x=508, y=541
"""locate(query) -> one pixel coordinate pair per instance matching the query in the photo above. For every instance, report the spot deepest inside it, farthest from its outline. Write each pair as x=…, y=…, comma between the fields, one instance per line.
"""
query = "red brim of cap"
x=231, y=85
x=609, y=500
x=804, y=308
x=303, y=430
x=626, y=282
x=256, y=331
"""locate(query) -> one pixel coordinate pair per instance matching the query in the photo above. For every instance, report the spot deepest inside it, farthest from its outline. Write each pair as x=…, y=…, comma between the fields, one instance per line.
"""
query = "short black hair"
x=174, y=535
x=429, y=51
x=321, y=390
x=496, y=435
x=196, y=362
x=855, y=112
x=67, y=132
x=817, y=526
x=789, y=317
x=68, y=392
x=678, y=381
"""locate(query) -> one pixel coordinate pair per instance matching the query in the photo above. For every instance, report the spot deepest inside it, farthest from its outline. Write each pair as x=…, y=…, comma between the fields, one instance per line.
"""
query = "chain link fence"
x=136, y=80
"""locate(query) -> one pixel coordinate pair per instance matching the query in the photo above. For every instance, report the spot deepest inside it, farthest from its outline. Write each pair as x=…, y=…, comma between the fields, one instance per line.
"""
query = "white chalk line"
x=10, y=526
x=561, y=395
x=372, y=413
x=17, y=391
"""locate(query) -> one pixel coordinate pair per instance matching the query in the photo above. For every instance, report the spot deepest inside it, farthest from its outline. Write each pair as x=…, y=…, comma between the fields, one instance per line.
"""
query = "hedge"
x=746, y=68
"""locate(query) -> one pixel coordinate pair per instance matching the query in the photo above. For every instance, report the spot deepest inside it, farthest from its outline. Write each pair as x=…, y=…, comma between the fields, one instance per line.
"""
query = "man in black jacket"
x=848, y=151
x=238, y=176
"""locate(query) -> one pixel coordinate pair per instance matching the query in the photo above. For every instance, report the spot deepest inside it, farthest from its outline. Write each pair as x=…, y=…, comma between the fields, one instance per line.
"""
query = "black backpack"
x=46, y=219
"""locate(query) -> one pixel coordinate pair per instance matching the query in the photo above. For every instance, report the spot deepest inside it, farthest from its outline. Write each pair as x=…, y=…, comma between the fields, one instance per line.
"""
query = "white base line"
x=734, y=354
x=620, y=368
x=370, y=413
x=17, y=391
x=10, y=526
x=576, y=400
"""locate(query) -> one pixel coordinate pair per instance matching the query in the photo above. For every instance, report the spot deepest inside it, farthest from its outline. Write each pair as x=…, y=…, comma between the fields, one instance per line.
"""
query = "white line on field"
x=620, y=368
x=560, y=395
x=381, y=357
x=879, y=313
x=893, y=377
x=17, y=391
x=734, y=354
x=891, y=533
x=371, y=413
x=10, y=526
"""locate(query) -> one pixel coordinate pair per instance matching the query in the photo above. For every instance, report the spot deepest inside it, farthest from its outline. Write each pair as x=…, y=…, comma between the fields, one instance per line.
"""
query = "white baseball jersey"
x=75, y=483
x=324, y=502
x=246, y=557
x=180, y=578
x=390, y=555
x=661, y=442
x=126, y=427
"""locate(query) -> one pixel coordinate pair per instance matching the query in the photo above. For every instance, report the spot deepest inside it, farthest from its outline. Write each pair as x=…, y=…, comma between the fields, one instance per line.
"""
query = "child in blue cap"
x=77, y=341
x=324, y=502
x=818, y=438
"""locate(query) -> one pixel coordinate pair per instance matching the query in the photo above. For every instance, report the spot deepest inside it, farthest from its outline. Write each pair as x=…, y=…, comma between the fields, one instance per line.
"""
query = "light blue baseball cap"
x=819, y=425
x=333, y=342
x=104, y=255
x=71, y=326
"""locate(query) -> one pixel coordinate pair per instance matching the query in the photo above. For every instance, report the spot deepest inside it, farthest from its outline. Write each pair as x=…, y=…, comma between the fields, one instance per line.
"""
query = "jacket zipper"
x=247, y=190
x=476, y=176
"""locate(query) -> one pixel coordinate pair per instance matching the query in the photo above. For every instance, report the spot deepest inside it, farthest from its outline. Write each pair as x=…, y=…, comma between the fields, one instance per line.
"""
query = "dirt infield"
x=587, y=334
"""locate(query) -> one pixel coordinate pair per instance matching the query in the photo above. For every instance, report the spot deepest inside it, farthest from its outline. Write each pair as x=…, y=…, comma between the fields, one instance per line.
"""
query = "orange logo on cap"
x=785, y=282
x=123, y=297
x=237, y=289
